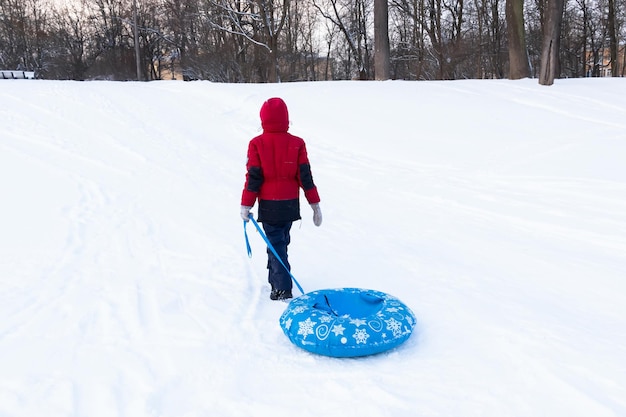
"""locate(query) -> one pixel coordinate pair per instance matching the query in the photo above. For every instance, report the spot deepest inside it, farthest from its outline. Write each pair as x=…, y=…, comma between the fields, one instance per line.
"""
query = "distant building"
x=599, y=63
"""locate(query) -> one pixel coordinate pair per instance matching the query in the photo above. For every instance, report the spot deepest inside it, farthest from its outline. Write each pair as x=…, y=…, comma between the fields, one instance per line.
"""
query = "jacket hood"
x=274, y=115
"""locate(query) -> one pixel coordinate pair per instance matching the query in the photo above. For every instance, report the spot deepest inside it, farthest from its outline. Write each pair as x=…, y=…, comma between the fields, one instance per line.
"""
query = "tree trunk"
x=381, y=40
x=550, y=45
x=612, y=33
x=272, y=73
x=136, y=39
x=518, y=55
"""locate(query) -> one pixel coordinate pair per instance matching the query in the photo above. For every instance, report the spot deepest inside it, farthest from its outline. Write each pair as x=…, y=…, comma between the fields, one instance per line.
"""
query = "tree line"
x=309, y=40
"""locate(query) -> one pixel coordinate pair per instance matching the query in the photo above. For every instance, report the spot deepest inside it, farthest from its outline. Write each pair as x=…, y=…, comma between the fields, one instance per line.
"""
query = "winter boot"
x=280, y=295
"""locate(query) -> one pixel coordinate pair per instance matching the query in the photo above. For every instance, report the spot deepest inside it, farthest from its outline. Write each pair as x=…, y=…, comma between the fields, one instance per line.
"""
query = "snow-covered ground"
x=496, y=210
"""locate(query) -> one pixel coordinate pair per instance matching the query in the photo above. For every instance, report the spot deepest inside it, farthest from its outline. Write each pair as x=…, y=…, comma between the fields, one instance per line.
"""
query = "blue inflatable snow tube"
x=347, y=322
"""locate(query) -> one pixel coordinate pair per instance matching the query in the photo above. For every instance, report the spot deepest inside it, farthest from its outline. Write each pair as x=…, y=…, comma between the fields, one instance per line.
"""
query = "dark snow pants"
x=278, y=235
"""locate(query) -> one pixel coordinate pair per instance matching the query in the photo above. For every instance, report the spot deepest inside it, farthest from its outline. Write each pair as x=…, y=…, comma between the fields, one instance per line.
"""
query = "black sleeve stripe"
x=255, y=179
x=306, y=177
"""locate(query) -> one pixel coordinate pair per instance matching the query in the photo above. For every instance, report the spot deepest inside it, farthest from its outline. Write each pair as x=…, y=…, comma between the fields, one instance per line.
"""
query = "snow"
x=495, y=209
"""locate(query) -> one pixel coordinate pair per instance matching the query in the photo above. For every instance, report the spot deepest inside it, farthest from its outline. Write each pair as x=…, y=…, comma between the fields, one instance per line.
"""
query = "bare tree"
x=381, y=40
x=260, y=22
x=351, y=19
x=550, y=46
x=410, y=49
x=433, y=24
x=489, y=39
x=23, y=25
x=612, y=34
x=273, y=16
x=518, y=55
x=136, y=45
x=443, y=24
x=301, y=57
x=73, y=50
x=330, y=35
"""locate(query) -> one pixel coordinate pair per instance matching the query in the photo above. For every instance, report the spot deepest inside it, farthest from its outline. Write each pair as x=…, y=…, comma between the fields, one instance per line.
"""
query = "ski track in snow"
x=125, y=289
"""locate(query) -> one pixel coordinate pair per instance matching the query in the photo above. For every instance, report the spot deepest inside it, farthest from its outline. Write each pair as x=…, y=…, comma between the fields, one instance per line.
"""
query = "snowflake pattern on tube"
x=347, y=322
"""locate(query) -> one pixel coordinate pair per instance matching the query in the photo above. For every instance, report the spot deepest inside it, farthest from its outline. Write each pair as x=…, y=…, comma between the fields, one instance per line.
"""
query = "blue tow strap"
x=269, y=245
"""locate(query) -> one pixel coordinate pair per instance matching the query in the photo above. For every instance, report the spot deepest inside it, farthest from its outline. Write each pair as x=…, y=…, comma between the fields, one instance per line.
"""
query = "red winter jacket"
x=277, y=167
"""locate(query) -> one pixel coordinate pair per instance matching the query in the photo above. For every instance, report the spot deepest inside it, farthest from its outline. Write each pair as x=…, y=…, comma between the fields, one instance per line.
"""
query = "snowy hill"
x=496, y=210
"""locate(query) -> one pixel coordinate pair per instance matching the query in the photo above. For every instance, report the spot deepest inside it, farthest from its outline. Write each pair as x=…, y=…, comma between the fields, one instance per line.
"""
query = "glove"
x=317, y=214
x=245, y=213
